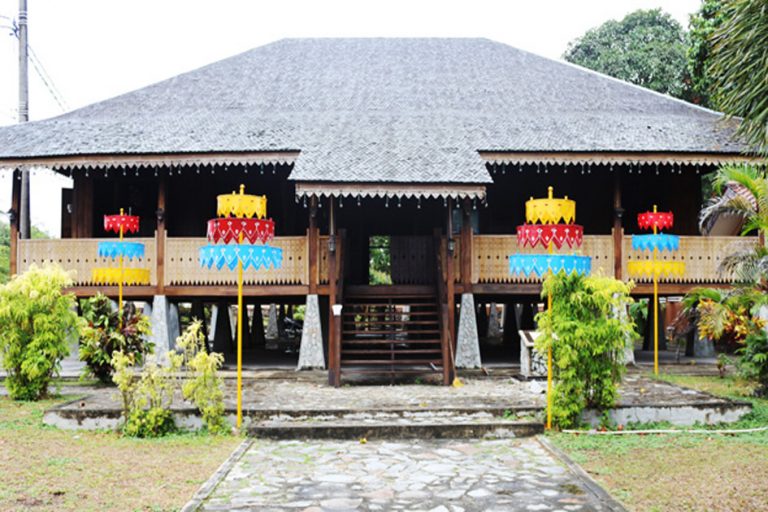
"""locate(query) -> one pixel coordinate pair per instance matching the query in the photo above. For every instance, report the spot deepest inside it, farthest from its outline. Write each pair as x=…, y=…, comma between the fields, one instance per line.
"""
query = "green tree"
x=36, y=319
x=739, y=68
x=701, y=28
x=751, y=266
x=587, y=335
x=646, y=48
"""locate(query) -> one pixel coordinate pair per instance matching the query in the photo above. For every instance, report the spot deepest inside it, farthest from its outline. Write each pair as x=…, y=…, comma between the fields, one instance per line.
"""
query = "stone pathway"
x=436, y=476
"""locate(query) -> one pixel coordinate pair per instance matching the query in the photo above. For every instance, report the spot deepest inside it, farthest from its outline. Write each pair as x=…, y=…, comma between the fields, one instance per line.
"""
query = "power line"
x=37, y=64
x=47, y=80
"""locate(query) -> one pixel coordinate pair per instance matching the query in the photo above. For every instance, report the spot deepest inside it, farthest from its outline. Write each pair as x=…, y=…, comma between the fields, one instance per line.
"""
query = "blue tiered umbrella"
x=549, y=223
x=241, y=219
x=655, y=243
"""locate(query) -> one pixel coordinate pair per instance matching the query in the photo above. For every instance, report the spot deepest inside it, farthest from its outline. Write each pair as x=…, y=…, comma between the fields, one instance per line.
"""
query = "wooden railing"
x=702, y=256
x=183, y=268
x=490, y=257
x=80, y=256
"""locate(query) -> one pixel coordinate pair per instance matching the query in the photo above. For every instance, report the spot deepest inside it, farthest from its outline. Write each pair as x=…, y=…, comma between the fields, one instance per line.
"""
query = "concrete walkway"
x=437, y=476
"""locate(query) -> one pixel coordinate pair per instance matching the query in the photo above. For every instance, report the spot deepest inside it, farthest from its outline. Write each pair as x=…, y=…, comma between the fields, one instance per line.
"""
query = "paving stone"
x=428, y=475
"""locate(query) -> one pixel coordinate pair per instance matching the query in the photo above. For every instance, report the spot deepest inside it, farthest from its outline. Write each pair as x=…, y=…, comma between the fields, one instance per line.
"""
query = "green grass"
x=683, y=471
x=45, y=468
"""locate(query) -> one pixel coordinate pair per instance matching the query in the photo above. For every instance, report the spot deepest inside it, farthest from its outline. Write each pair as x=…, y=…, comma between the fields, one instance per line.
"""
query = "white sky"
x=95, y=49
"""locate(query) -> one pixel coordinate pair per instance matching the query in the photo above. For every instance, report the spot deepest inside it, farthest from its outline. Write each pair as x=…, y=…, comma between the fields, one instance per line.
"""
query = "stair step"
x=390, y=304
x=425, y=331
x=390, y=430
x=391, y=372
x=395, y=351
x=382, y=313
x=379, y=341
x=390, y=322
x=392, y=361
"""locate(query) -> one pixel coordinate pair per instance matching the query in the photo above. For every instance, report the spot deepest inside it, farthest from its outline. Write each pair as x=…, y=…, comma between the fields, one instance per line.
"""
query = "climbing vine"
x=588, y=336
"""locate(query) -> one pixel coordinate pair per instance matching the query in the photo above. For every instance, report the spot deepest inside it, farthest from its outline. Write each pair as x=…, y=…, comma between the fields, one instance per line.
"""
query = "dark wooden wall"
x=593, y=193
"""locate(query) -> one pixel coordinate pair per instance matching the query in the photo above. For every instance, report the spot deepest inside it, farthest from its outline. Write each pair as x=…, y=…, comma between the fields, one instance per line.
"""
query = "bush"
x=731, y=319
x=106, y=331
x=147, y=399
x=36, y=320
x=148, y=395
x=587, y=337
x=205, y=387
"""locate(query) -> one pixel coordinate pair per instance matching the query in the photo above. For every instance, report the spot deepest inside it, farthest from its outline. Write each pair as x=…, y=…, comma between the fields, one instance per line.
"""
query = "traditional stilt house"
x=411, y=155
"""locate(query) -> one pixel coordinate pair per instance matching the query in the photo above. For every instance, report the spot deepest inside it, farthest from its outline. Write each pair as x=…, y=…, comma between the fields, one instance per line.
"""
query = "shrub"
x=106, y=331
x=147, y=397
x=205, y=387
x=36, y=320
x=587, y=338
x=731, y=318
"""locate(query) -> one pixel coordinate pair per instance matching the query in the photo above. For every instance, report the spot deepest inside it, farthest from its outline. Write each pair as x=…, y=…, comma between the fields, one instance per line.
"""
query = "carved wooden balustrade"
x=80, y=256
x=702, y=256
x=183, y=268
x=490, y=257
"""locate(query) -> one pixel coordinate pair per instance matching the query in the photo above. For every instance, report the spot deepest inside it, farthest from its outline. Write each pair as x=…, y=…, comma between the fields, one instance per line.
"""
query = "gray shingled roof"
x=400, y=110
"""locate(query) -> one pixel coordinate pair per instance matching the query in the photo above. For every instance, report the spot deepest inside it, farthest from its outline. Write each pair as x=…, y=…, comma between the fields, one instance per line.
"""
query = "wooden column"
x=466, y=246
x=449, y=273
x=334, y=370
x=313, y=235
x=160, y=257
x=14, y=221
x=618, y=230
x=82, y=216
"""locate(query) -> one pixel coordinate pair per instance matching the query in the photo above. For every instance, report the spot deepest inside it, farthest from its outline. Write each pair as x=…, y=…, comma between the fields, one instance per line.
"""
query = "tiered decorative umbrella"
x=242, y=218
x=549, y=223
x=654, y=267
x=121, y=249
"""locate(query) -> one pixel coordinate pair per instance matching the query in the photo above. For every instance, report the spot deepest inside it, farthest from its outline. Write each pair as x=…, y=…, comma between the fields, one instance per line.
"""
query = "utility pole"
x=24, y=220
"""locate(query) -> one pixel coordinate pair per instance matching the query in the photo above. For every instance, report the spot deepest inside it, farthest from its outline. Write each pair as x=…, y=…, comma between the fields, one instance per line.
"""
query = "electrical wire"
x=667, y=431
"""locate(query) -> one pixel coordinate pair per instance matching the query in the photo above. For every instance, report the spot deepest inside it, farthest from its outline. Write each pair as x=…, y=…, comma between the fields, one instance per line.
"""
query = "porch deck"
x=175, y=271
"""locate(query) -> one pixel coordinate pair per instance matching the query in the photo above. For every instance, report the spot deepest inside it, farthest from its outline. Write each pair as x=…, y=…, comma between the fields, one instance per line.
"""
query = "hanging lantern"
x=653, y=267
x=121, y=249
x=549, y=223
x=238, y=239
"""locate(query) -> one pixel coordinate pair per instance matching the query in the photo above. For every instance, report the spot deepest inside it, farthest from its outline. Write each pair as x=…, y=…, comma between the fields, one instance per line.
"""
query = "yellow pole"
x=240, y=333
x=122, y=273
x=549, y=350
x=655, y=308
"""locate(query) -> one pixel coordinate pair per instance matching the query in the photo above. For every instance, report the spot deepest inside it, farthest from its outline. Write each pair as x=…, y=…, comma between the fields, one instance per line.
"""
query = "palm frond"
x=725, y=205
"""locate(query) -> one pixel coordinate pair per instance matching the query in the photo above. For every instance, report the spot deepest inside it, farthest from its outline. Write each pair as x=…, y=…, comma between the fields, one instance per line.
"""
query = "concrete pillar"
x=648, y=342
x=272, y=323
x=468, y=343
x=257, y=327
x=174, y=327
x=494, y=322
x=164, y=327
x=482, y=321
x=311, y=349
x=511, y=334
x=221, y=329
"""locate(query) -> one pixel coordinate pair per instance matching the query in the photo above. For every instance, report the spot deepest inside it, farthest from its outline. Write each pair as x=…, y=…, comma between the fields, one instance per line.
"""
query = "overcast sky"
x=93, y=50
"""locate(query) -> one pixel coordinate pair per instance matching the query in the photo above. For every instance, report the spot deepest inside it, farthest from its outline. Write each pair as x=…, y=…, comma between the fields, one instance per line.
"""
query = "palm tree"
x=739, y=68
x=743, y=191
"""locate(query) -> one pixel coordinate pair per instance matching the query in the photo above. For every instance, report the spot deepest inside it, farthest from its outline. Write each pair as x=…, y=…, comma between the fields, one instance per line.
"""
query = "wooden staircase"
x=391, y=335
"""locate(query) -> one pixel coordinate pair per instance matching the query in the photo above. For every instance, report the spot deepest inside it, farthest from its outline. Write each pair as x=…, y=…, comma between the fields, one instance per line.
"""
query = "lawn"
x=683, y=471
x=44, y=468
